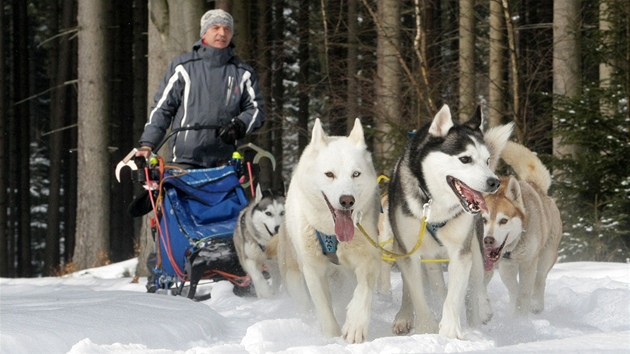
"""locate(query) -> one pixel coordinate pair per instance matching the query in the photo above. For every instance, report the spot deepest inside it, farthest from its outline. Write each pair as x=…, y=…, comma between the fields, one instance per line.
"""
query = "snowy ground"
x=101, y=311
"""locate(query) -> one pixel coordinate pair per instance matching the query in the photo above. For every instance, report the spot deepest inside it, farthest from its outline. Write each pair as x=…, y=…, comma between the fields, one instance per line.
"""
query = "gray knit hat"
x=214, y=17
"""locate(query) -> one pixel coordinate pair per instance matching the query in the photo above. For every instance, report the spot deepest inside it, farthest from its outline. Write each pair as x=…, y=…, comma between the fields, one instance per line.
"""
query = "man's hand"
x=232, y=131
x=145, y=152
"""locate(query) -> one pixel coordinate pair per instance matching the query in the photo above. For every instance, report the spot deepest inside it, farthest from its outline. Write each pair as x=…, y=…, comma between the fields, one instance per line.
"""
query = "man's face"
x=218, y=36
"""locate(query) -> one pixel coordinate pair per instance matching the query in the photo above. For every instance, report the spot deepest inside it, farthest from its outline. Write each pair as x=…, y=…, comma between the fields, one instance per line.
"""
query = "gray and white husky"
x=257, y=224
x=442, y=174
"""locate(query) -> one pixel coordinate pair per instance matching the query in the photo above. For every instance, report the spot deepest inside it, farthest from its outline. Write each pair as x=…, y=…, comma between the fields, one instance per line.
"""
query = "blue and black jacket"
x=207, y=86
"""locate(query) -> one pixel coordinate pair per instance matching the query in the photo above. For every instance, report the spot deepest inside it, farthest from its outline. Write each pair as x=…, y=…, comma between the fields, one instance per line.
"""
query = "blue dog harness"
x=329, y=246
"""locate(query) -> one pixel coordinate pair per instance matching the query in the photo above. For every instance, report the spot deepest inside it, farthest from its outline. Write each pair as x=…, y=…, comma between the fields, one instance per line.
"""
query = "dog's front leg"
x=254, y=269
x=360, y=307
x=508, y=270
x=317, y=282
x=478, y=309
x=413, y=300
x=526, y=277
x=458, y=274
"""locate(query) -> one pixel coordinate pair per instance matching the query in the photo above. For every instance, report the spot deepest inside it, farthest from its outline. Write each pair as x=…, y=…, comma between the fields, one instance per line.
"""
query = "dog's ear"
x=442, y=122
x=513, y=193
x=356, y=135
x=476, y=120
x=496, y=138
x=319, y=135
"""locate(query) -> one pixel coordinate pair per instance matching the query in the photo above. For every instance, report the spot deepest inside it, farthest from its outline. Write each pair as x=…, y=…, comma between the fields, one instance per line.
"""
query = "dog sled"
x=194, y=214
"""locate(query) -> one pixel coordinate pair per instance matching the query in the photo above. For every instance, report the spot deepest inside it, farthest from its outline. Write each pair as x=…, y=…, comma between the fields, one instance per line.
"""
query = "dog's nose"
x=346, y=201
x=493, y=184
x=488, y=242
x=276, y=229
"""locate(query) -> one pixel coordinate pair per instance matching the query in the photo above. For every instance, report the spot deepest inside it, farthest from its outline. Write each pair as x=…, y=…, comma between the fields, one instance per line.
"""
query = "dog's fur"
x=257, y=224
x=522, y=229
x=445, y=165
x=334, y=178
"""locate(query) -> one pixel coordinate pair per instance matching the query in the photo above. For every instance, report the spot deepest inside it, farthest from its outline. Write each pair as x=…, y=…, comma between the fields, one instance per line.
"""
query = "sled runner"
x=194, y=217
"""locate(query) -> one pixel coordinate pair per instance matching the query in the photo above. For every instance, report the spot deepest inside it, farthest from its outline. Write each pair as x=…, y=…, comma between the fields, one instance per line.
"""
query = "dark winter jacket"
x=207, y=86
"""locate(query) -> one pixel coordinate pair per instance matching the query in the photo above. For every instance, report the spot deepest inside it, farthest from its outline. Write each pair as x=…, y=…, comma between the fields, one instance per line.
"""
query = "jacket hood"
x=214, y=56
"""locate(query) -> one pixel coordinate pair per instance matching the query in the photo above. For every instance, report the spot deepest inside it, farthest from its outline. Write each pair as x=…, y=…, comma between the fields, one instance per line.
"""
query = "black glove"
x=232, y=131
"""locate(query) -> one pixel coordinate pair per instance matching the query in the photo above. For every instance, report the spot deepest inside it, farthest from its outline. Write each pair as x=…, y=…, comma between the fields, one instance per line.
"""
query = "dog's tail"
x=496, y=138
x=527, y=165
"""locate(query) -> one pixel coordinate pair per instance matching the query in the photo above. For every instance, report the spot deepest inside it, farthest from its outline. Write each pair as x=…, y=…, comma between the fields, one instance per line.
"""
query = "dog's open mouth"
x=471, y=200
x=492, y=255
x=344, y=226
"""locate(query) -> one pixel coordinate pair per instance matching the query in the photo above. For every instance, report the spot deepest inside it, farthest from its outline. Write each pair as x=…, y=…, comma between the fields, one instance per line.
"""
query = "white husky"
x=333, y=187
x=442, y=175
x=256, y=225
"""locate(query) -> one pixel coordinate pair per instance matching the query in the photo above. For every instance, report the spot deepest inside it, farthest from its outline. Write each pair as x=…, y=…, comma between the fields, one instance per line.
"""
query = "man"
x=207, y=86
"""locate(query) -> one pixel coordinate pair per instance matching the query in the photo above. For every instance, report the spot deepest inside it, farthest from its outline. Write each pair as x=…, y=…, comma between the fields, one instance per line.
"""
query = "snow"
x=100, y=310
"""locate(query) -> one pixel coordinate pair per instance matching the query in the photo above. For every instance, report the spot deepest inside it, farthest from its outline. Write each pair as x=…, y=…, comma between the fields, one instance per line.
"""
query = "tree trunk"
x=4, y=164
x=57, y=122
x=121, y=88
x=605, y=69
x=263, y=70
x=92, y=235
x=278, y=93
x=23, y=117
x=303, y=77
x=566, y=58
x=388, y=78
x=241, y=12
x=352, y=88
x=496, y=93
x=466, y=59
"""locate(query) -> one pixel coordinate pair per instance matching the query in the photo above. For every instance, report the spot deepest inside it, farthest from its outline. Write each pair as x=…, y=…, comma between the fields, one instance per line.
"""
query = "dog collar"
x=432, y=228
x=425, y=191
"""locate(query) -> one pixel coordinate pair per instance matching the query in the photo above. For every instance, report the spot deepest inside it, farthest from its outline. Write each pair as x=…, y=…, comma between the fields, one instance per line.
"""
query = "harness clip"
x=426, y=209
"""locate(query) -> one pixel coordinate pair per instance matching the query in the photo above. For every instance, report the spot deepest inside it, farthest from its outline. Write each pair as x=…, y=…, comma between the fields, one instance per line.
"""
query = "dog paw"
x=401, y=327
x=426, y=326
x=265, y=292
x=537, y=308
x=485, y=311
x=353, y=334
x=451, y=330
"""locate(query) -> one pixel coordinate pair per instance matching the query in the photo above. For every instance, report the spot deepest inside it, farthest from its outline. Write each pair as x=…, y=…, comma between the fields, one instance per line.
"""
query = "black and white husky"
x=442, y=174
x=257, y=224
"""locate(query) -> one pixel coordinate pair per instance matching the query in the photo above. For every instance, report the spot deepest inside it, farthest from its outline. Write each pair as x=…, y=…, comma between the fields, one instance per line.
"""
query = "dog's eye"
x=282, y=213
x=330, y=175
x=356, y=174
x=268, y=213
x=465, y=159
x=503, y=221
x=485, y=220
x=488, y=162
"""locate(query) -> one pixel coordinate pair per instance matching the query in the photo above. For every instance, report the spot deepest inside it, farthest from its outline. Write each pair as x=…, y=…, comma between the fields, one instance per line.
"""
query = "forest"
x=80, y=76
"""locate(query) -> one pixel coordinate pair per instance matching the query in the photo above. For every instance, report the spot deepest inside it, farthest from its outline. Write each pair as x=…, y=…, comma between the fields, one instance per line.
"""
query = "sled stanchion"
x=251, y=178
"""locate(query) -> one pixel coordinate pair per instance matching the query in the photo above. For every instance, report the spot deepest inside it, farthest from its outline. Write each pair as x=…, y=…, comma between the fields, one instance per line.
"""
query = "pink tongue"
x=474, y=196
x=488, y=262
x=344, y=227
